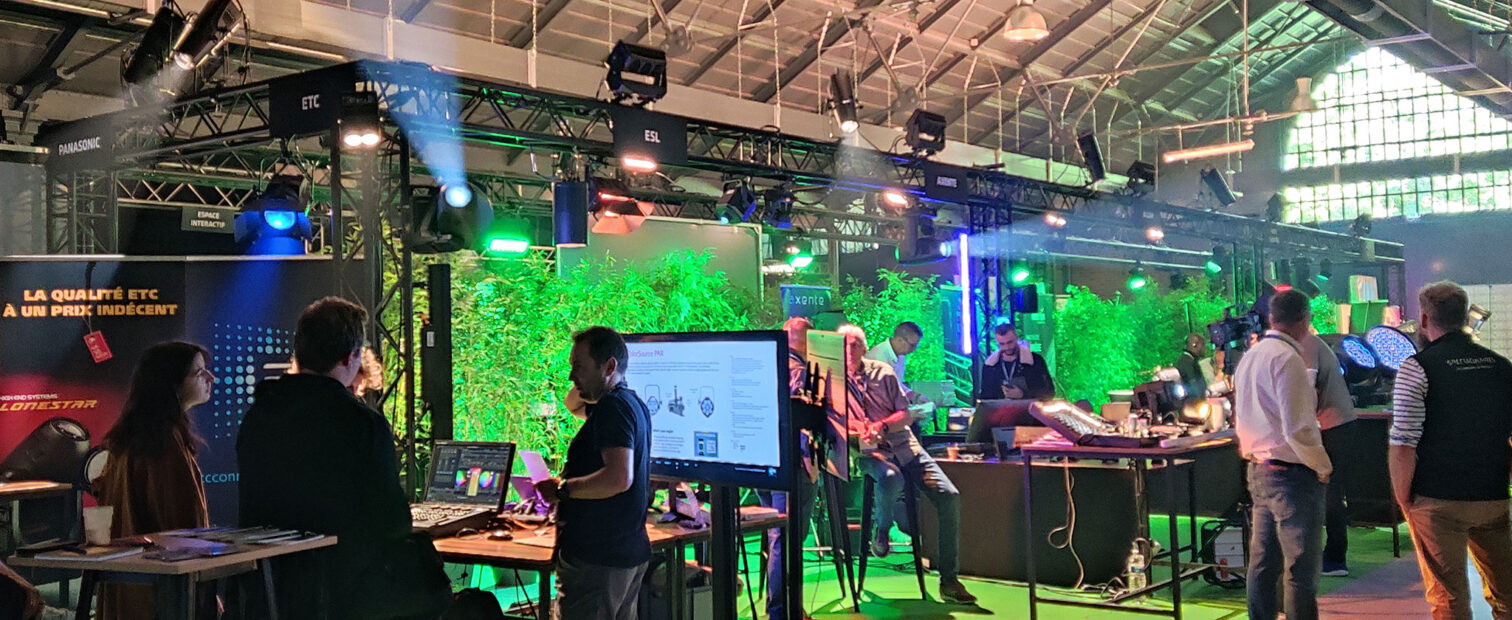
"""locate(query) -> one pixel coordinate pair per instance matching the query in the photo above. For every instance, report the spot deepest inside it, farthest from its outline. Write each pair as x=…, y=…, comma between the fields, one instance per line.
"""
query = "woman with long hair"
x=151, y=477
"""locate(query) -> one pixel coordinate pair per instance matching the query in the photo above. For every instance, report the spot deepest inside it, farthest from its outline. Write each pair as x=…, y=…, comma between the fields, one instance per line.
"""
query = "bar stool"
x=911, y=507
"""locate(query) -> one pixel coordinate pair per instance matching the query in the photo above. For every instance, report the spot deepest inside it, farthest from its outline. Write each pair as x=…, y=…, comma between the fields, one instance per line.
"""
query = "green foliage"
x=902, y=298
x=1325, y=315
x=1114, y=344
x=1094, y=344
x=513, y=323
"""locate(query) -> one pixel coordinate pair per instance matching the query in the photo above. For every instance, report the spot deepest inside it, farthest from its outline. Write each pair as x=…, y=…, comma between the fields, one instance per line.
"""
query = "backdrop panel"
x=242, y=310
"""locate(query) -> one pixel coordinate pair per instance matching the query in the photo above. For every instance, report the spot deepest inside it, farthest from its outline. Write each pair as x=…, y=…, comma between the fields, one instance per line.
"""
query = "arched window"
x=1391, y=141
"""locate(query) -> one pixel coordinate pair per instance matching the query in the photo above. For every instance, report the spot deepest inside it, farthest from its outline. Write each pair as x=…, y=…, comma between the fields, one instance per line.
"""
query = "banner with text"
x=71, y=332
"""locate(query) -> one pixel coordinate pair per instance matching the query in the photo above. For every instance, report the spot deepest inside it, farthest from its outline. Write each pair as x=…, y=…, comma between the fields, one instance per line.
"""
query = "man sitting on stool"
x=879, y=415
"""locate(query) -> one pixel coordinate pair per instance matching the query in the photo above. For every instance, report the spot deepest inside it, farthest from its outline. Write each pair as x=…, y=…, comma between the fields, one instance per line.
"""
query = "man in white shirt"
x=895, y=351
x=1275, y=417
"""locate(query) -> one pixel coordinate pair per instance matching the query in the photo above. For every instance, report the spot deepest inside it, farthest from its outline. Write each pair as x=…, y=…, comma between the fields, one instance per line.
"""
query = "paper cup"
x=97, y=524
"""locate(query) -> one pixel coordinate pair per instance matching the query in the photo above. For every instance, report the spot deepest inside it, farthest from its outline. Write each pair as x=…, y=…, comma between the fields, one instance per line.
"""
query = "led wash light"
x=1391, y=345
x=634, y=163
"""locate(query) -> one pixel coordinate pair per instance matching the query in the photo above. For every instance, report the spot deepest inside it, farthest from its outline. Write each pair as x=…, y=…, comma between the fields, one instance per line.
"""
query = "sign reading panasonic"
x=85, y=144
x=79, y=146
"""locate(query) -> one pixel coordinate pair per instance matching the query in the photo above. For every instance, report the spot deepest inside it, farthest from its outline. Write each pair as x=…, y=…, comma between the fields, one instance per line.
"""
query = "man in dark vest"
x=1450, y=458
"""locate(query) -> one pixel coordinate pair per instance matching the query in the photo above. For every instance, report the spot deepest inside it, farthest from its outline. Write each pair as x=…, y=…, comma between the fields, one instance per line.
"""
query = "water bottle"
x=1137, y=577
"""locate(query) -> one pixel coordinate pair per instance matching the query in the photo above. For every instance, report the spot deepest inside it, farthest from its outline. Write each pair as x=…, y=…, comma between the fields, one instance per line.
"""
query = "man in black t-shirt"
x=602, y=495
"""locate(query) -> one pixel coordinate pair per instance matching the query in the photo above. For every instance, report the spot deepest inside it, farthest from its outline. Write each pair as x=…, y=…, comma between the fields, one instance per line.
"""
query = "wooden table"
x=1141, y=460
x=175, y=582
x=669, y=539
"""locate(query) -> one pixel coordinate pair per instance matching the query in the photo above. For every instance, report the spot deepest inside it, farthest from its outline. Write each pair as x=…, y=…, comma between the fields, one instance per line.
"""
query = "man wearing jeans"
x=1449, y=457
x=1275, y=418
x=879, y=417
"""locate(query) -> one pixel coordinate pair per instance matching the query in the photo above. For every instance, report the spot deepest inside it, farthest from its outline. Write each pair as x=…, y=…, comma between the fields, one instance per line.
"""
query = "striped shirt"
x=1407, y=404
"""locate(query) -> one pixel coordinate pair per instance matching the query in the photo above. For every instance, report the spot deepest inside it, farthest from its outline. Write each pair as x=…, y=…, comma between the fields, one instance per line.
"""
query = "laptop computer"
x=465, y=487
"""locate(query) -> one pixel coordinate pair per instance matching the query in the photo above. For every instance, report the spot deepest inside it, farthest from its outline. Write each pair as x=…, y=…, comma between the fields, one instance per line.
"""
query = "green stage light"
x=1138, y=280
x=1215, y=264
x=1020, y=274
x=800, y=260
x=508, y=246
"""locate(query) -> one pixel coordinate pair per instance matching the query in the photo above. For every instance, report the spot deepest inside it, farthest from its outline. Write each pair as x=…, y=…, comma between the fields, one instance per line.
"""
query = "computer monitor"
x=467, y=472
x=722, y=406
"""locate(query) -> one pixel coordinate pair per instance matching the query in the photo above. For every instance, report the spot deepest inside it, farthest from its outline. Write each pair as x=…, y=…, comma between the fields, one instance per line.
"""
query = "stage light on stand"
x=507, y=238
x=1361, y=225
x=1138, y=279
x=896, y=199
x=1391, y=345
x=800, y=259
x=925, y=132
x=457, y=196
x=1055, y=220
x=1141, y=178
x=210, y=31
x=843, y=98
x=151, y=54
x=1019, y=273
x=275, y=223
x=639, y=164
x=636, y=73
x=737, y=204
x=1325, y=270
x=1155, y=234
x=1219, y=259
x=779, y=207
x=359, y=122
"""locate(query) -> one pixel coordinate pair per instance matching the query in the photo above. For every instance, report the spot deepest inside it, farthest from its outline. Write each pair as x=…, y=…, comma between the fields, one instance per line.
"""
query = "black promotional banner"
x=85, y=144
x=309, y=102
x=642, y=133
x=71, y=332
x=946, y=183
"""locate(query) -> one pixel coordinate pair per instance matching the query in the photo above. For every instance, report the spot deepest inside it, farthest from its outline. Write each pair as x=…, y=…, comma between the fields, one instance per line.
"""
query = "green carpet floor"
x=892, y=591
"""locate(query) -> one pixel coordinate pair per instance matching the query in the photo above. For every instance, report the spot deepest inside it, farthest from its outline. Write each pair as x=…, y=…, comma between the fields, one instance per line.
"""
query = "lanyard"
x=1012, y=372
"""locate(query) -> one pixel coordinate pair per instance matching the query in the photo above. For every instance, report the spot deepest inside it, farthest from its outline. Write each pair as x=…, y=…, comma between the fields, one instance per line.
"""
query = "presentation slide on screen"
x=710, y=401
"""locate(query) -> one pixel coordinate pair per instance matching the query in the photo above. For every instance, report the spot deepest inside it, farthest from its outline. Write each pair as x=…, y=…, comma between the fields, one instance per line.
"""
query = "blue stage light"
x=280, y=220
x=1391, y=345
x=457, y=196
x=1358, y=351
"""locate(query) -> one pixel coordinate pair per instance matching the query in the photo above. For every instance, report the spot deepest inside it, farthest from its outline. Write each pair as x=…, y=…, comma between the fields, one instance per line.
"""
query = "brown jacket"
x=150, y=493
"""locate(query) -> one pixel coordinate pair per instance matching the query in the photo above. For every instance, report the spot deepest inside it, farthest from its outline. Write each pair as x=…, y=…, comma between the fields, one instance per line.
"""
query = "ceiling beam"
x=1033, y=54
x=763, y=13
x=524, y=35
x=877, y=63
x=1134, y=61
x=652, y=21
x=1159, y=82
x=1202, y=85
x=413, y=10
x=809, y=56
x=43, y=73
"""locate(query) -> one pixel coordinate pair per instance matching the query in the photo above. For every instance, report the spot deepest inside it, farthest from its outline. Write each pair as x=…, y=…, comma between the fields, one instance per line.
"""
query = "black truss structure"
x=216, y=148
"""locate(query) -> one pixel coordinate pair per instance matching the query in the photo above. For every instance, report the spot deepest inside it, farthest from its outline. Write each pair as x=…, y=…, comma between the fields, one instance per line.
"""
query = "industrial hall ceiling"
x=1131, y=71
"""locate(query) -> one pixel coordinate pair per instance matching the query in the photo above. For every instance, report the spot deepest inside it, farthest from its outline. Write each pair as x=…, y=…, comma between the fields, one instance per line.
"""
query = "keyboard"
x=442, y=520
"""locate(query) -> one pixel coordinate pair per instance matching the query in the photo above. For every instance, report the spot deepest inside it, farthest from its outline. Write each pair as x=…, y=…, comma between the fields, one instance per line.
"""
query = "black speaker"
x=1092, y=156
x=436, y=352
x=569, y=213
x=55, y=451
x=1026, y=299
x=1218, y=186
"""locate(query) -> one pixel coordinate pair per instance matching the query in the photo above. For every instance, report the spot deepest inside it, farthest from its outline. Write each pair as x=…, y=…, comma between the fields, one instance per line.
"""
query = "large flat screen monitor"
x=719, y=405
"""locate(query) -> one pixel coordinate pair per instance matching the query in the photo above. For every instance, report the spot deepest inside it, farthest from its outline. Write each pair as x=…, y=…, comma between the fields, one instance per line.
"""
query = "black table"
x=1141, y=461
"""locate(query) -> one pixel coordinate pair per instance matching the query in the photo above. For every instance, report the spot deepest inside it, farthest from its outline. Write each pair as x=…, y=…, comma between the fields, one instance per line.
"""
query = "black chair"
x=911, y=506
